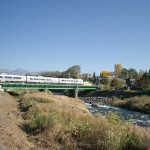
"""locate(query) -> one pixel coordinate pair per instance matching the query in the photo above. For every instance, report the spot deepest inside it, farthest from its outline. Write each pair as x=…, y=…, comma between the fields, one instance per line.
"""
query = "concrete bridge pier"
x=1, y=88
x=76, y=93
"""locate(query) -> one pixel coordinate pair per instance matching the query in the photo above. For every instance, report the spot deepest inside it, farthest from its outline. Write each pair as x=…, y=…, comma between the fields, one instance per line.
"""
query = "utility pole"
x=69, y=75
x=76, y=92
x=77, y=89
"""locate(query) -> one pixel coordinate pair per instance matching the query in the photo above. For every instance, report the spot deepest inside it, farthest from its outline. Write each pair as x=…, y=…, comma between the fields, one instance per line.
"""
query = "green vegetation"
x=117, y=83
x=106, y=79
x=135, y=80
x=118, y=69
x=144, y=82
x=59, y=122
x=71, y=72
x=138, y=103
x=25, y=103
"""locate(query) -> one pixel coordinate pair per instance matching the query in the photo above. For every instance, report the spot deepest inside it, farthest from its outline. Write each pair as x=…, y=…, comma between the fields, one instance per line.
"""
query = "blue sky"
x=57, y=34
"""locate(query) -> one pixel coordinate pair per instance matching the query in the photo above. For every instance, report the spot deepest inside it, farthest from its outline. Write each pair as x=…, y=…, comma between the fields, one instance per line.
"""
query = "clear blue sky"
x=57, y=34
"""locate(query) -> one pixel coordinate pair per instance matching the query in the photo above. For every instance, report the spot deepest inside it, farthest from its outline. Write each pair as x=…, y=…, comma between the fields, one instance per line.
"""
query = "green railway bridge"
x=7, y=86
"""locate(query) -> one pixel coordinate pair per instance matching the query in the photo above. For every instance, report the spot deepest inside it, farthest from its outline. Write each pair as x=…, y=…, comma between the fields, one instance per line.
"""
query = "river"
x=141, y=119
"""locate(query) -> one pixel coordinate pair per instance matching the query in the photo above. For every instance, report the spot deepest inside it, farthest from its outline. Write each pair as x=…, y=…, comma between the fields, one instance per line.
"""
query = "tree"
x=74, y=71
x=104, y=73
x=132, y=73
x=118, y=69
x=50, y=74
x=117, y=83
x=94, y=79
x=104, y=81
x=140, y=74
x=94, y=75
x=144, y=82
x=124, y=73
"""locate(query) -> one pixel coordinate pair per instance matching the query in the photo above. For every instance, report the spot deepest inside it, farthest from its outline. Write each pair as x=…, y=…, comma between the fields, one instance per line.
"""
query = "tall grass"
x=138, y=103
x=66, y=124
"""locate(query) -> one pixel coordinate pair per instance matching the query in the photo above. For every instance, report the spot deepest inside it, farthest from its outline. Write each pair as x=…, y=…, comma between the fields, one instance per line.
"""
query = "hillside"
x=11, y=136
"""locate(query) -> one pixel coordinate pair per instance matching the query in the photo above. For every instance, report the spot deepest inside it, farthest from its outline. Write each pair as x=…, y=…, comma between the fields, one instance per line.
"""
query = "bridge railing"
x=45, y=86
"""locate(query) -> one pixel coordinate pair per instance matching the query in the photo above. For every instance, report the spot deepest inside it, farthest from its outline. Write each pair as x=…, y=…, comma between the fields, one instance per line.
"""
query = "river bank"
x=137, y=103
x=132, y=100
x=114, y=93
x=60, y=122
x=137, y=118
x=104, y=105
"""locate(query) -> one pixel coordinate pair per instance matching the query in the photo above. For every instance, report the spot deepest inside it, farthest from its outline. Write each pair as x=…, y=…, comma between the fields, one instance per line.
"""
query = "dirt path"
x=11, y=136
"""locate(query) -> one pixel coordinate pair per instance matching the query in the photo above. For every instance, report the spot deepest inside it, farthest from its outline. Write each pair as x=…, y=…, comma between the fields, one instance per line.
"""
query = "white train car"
x=51, y=80
x=34, y=79
x=66, y=81
x=79, y=81
x=12, y=78
x=70, y=81
x=41, y=79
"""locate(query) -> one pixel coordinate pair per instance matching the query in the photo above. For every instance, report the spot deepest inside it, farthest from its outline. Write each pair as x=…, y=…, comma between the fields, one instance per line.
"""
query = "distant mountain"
x=18, y=71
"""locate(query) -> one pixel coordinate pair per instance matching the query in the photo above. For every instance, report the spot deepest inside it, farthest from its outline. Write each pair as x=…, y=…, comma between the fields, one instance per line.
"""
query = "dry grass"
x=60, y=123
x=11, y=136
x=138, y=103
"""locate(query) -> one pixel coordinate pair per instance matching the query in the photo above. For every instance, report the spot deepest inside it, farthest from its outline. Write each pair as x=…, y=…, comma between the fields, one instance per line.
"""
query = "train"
x=39, y=79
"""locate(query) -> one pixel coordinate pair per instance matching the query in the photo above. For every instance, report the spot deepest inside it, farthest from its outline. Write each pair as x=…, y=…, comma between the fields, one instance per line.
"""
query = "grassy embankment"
x=133, y=100
x=137, y=103
x=59, y=122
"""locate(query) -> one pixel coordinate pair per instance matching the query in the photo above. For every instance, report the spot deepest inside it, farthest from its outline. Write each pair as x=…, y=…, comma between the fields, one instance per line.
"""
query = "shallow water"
x=141, y=119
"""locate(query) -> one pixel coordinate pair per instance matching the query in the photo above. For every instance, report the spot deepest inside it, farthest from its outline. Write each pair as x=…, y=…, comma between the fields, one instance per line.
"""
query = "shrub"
x=25, y=103
x=138, y=103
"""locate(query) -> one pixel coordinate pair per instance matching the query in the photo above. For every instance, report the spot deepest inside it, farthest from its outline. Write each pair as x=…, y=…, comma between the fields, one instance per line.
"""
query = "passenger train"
x=38, y=79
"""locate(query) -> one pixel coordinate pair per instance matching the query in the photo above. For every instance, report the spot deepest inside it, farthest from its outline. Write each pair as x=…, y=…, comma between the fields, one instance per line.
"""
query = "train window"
x=17, y=77
x=8, y=77
x=0, y=76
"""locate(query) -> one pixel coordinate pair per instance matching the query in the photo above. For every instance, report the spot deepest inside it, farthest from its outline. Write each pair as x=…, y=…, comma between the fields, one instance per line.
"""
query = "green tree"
x=140, y=74
x=50, y=74
x=74, y=71
x=124, y=73
x=105, y=81
x=94, y=79
x=132, y=73
x=94, y=75
x=118, y=69
x=144, y=82
x=117, y=83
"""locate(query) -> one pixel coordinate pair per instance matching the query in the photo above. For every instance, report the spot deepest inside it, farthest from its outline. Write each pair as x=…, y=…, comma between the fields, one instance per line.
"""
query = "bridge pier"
x=1, y=88
x=76, y=93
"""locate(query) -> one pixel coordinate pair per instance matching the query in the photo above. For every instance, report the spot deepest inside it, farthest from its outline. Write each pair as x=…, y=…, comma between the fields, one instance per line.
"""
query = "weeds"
x=138, y=103
x=62, y=123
